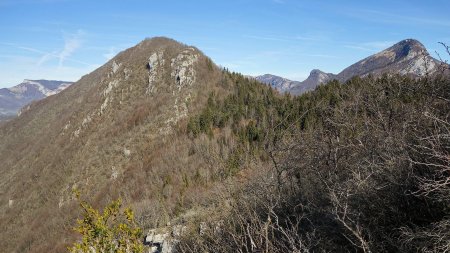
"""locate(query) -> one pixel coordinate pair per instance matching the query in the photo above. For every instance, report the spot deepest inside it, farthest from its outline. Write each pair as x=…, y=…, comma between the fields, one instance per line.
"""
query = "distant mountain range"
x=14, y=98
x=408, y=57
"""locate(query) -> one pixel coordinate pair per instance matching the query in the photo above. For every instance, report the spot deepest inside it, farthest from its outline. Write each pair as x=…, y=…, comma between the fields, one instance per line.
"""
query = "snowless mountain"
x=285, y=85
x=315, y=78
x=407, y=57
x=14, y=98
x=94, y=135
x=278, y=82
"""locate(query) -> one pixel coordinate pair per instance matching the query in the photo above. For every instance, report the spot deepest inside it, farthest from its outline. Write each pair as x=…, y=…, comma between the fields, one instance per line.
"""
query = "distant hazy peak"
x=45, y=87
x=319, y=75
x=277, y=82
x=14, y=98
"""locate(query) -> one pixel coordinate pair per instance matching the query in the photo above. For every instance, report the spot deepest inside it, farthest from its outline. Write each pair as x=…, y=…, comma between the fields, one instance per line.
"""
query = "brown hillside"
x=114, y=132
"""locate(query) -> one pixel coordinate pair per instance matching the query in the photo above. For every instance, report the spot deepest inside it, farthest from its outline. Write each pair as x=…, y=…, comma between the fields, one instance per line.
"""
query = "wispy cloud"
x=71, y=43
x=372, y=46
x=379, y=44
x=310, y=38
x=361, y=48
x=25, y=67
x=306, y=38
x=269, y=38
x=392, y=18
x=326, y=56
x=46, y=57
x=30, y=49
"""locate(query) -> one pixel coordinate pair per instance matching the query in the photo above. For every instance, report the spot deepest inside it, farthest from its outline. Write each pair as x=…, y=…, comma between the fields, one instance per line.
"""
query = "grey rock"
x=407, y=57
x=277, y=82
x=158, y=242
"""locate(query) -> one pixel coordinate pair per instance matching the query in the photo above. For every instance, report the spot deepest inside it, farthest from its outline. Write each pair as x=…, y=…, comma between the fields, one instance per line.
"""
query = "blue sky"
x=65, y=39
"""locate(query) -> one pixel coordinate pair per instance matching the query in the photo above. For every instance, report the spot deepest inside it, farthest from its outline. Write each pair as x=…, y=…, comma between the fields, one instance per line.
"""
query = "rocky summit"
x=279, y=83
x=117, y=126
x=407, y=57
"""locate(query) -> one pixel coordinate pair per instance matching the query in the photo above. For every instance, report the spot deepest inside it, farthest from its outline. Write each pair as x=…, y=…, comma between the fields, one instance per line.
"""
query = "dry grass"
x=43, y=159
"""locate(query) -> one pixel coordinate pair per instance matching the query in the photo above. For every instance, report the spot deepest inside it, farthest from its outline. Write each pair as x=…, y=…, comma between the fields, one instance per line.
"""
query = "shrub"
x=113, y=230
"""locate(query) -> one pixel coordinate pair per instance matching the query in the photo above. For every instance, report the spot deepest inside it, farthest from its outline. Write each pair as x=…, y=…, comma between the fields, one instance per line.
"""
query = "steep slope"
x=407, y=57
x=14, y=98
x=113, y=133
x=283, y=85
x=315, y=78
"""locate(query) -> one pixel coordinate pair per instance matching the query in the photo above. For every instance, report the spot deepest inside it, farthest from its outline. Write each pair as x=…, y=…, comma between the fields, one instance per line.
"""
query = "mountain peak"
x=317, y=76
x=408, y=47
x=407, y=57
x=132, y=107
x=315, y=72
x=412, y=42
x=160, y=42
x=280, y=83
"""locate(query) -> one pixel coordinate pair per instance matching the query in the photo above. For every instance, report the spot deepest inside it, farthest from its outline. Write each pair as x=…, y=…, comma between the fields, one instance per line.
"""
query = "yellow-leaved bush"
x=113, y=230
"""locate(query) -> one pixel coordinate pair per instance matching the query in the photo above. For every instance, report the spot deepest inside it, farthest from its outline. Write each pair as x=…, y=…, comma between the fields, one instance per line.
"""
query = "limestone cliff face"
x=170, y=72
x=279, y=83
x=315, y=78
x=114, y=132
x=407, y=57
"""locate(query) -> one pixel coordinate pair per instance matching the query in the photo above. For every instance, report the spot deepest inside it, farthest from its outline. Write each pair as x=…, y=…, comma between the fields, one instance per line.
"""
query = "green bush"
x=113, y=230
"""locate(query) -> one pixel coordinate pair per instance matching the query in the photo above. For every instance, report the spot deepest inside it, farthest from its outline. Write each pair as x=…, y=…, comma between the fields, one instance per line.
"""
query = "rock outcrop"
x=408, y=57
x=116, y=130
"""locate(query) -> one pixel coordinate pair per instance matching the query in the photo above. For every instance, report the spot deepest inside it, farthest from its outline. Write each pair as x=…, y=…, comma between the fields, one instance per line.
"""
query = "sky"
x=66, y=39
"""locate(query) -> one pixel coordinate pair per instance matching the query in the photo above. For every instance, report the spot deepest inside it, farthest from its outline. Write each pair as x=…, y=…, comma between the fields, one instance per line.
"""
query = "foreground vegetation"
x=362, y=166
x=113, y=230
x=357, y=167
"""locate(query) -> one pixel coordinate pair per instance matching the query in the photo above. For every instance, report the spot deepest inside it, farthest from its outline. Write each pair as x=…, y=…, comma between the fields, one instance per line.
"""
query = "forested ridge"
x=358, y=166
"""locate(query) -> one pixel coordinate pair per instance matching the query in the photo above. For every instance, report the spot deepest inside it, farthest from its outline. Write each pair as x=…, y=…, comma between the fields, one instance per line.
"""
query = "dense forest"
x=361, y=166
